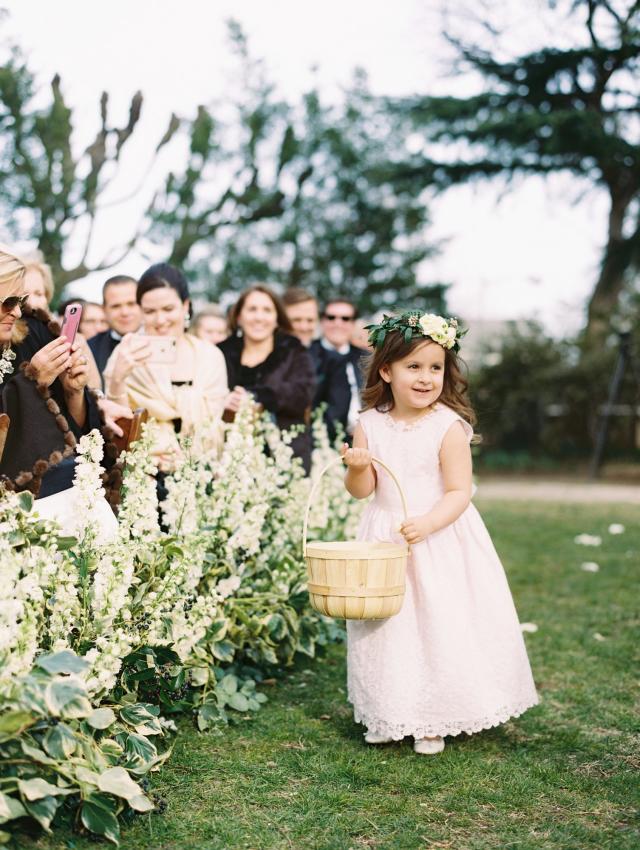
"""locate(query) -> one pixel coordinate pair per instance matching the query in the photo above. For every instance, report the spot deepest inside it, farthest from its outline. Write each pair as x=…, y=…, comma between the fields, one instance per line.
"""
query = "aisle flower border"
x=100, y=641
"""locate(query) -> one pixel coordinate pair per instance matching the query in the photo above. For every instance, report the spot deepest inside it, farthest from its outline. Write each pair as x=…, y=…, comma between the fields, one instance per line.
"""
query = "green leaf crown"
x=414, y=324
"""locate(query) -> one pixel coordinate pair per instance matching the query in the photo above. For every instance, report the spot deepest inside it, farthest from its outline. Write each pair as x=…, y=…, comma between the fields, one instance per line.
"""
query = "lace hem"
x=451, y=728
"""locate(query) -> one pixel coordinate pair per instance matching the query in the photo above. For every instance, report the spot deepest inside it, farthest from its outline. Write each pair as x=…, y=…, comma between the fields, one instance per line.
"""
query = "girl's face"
x=163, y=313
x=416, y=381
x=258, y=317
x=212, y=328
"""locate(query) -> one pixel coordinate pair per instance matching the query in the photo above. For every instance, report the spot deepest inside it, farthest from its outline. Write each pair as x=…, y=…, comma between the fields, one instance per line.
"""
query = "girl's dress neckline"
x=402, y=425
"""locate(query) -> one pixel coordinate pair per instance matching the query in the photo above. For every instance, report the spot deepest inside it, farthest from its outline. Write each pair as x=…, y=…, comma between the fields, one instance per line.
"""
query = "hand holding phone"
x=70, y=322
x=163, y=350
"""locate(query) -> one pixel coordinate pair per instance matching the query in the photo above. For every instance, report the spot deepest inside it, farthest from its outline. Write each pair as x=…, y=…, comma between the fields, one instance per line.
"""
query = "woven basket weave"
x=355, y=580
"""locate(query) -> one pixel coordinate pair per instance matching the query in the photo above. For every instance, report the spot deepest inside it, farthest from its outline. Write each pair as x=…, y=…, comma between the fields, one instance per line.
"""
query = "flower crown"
x=413, y=324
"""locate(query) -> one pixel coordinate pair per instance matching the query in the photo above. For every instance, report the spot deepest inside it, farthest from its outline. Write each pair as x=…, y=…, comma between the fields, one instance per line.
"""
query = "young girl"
x=453, y=660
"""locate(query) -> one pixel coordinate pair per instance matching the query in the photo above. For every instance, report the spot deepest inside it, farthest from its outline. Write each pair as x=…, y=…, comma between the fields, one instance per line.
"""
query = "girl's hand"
x=52, y=359
x=356, y=459
x=74, y=378
x=416, y=529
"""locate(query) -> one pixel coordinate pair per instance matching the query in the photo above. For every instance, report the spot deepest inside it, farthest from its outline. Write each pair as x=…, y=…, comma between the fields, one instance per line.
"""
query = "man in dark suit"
x=332, y=386
x=337, y=324
x=122, y=311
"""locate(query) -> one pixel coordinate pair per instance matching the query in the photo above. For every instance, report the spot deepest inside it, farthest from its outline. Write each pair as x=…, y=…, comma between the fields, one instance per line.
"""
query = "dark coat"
x=102, y=346
x=42, y=430
x=284, y=384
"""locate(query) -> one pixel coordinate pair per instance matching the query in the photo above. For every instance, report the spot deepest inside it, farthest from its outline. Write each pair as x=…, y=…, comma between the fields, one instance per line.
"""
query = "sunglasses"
x=331, y=317
x=8, y=305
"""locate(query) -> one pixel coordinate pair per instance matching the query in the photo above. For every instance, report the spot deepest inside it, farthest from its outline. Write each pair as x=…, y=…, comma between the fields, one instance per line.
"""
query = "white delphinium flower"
x=138, y=513
x=106, y=661
x=87, y=485
x=112, y=582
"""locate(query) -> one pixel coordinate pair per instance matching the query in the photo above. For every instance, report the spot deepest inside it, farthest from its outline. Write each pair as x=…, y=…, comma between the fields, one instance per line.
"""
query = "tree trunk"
x=604, y=300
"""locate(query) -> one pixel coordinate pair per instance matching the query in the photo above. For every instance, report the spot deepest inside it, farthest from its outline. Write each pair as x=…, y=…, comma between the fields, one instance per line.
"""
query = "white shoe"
x=428, y=746
x=374, y=738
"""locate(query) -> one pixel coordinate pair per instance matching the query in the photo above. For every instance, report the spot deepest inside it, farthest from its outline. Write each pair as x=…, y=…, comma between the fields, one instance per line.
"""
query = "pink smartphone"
x=70, y=322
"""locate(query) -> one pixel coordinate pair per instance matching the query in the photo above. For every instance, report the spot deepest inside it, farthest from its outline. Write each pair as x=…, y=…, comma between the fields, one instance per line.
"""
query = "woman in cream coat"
x=184, y=387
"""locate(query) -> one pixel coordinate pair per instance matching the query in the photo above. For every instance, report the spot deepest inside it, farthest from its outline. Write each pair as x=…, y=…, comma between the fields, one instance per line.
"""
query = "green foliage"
x=538, y=398
x=555, y=109
x=54, y=745
x=307, y=203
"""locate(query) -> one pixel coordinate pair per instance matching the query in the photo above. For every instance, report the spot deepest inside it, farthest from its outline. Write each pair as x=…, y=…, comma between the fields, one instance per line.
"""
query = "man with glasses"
x=337, y=324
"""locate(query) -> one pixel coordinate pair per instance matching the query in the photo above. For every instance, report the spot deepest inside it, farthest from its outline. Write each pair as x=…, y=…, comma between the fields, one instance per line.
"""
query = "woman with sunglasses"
x=43, y=390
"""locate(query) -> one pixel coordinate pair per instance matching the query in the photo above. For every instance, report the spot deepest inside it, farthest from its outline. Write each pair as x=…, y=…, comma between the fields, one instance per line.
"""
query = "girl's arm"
x=360, y=479
x=455, y=460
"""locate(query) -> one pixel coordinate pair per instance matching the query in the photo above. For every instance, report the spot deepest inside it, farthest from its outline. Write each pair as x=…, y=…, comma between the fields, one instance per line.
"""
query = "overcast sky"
x=531, y=251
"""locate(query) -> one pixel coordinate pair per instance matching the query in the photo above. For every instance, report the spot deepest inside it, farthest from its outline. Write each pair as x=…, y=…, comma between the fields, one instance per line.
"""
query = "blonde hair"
x=35, y=260
x=12, y=267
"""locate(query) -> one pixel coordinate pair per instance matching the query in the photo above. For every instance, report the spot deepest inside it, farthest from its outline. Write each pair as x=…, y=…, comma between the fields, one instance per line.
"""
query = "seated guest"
x=181, y=380
x=43, y=389
x=266, y=361
x=332, y=386
x=210, y=324
x=338, y=321
x=122, y=313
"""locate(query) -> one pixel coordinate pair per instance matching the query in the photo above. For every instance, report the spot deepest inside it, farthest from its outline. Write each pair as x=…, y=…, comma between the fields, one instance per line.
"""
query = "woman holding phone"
x=43, y=390
x=181, y=380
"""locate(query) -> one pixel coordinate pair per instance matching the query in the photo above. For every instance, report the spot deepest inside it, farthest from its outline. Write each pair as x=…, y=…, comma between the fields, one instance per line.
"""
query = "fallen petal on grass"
x=616, y=528
x=590, y=567
x=587, y=540
x=598, y=636
x=528, y=627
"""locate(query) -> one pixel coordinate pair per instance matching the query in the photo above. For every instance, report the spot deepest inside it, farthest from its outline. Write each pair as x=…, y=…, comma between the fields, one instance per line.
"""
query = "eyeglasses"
x=8, y=305
x=331, y=317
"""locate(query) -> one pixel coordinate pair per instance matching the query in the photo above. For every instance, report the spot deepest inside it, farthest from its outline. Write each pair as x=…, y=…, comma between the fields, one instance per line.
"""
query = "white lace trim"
x=398, y=731
x=400, y=425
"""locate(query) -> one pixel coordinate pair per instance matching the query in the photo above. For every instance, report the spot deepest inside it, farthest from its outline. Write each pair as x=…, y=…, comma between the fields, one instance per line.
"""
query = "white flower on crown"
x=438, y=329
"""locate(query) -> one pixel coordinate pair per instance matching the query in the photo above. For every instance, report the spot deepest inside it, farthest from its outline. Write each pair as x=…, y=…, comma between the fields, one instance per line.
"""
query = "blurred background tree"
x=573, y=109
x=48, y=193
x=305, y=199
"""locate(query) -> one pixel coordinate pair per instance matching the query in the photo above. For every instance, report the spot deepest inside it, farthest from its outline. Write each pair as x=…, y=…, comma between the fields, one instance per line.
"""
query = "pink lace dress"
x=453, y=660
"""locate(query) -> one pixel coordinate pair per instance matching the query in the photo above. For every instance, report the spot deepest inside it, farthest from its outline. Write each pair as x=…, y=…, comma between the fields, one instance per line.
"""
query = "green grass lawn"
x=563, y=776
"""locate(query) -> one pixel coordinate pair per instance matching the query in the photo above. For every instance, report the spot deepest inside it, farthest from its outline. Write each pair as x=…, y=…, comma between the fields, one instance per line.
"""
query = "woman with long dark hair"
x=266, y=361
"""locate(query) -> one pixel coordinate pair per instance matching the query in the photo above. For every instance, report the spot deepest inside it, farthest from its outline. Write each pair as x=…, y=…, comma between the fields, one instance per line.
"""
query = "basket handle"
x=316, y=484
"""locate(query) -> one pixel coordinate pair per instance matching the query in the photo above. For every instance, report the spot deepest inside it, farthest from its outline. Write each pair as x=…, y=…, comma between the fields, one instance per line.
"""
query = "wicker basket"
x=355, y=580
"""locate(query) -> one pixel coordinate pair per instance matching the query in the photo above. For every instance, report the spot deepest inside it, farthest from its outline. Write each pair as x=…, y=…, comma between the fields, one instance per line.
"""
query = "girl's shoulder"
x=443, y=418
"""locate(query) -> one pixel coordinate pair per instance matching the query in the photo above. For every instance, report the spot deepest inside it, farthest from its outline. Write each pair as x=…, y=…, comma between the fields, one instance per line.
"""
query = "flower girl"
x=453, y=660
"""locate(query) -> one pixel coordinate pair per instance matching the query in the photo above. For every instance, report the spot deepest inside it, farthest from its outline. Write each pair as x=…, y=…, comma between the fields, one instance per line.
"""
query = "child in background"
x=453, y=659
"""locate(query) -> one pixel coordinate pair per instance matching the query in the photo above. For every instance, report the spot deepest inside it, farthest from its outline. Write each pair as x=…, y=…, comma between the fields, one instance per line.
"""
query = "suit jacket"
x=102, y=345
x=334, y=383
x=284, y=384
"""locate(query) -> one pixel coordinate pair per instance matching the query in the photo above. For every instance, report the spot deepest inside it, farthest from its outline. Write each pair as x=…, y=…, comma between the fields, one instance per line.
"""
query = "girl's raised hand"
x=356, y=459
x=415, y=529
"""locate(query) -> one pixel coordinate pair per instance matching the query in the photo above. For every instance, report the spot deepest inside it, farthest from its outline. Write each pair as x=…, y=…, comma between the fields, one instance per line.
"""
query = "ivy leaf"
x=13, y=723
x=97, y=816
x=65, y=661
x=43, y=810
x=25, y=500
x=60, y=742
x=143, y=717
x=101, y=718
x=67, y=698
x=239, y=702
x=37, y=788
x=10, y=808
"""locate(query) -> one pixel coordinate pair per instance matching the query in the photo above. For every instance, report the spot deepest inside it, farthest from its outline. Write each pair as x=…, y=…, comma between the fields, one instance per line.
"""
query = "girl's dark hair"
x=163, y=276
x=377, y=393
x=283, y=320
